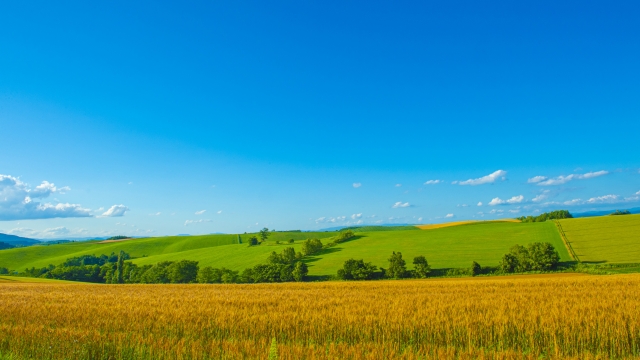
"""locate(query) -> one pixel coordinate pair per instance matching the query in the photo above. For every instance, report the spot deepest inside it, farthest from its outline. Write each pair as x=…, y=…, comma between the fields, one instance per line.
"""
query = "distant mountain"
x=604, y=212
x=17, y=240
x=338, y=228
x=5, y=246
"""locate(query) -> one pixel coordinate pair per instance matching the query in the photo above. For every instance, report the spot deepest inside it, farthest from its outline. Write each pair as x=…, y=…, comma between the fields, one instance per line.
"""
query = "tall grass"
x=578, y=317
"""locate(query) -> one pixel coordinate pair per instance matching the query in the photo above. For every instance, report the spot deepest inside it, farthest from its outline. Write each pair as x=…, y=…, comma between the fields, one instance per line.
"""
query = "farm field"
x=559, y=316
x=608, y=239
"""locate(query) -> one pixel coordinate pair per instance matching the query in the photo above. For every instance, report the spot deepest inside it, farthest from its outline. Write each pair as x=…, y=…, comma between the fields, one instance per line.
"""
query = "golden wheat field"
x=553, y=317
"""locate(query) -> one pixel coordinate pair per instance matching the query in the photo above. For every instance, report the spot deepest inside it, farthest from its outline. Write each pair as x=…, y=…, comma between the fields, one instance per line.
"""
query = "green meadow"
x=448, y=247
x=604, y=239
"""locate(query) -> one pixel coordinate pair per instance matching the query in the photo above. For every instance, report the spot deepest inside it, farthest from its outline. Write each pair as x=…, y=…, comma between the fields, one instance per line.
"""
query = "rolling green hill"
x=43, y=255
x=447, y=247
x=612, y=239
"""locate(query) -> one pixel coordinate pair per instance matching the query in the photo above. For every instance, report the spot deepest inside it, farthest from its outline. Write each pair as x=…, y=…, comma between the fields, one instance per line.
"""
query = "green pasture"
x=449, y=247
x=604, y=239
x=43, y=255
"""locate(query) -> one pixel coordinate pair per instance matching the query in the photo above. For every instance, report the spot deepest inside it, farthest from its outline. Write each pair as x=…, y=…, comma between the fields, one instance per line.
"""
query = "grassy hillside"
x=613, y=239
x=41, y=256
x=449, y=247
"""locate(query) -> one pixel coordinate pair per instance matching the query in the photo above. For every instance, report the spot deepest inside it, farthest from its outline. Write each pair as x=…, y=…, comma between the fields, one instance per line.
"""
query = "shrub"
x=553, y=215
x=290, y=241
x=253, y=241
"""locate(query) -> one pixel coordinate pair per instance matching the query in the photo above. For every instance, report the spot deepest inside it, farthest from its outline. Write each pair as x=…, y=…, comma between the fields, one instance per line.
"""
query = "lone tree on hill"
x=264, y=234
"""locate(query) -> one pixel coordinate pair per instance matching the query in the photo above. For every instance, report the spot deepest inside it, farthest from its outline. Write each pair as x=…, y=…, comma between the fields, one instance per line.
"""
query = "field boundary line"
x=566, y=242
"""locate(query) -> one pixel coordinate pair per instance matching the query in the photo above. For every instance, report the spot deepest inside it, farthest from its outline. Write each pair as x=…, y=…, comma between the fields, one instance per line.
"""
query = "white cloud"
x=398, y=185
x=480, y=203
x=200, y=212
x=420, y=218
x=488, y=179
x=320, y=219
x=573, y=202
x=462, y=205
x=357, y=185
x=604, y=199
x=219, y=211
x=17, y=201
x=448, y=216
x=156, y=214
x=356, y=216
x=115, y=210
x=432, y=182
x=638, y=193
x=400, y=204
x=189, y=222
x=536, y=179
x=541, y=197
x=514, y=211
x=514, y=200
x=560, y=180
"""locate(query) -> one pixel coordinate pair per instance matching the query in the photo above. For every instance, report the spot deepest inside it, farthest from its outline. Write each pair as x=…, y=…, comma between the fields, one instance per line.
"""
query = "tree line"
x=553, y=215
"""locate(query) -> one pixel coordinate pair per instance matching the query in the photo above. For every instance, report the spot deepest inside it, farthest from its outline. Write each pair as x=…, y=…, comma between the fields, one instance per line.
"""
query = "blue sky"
x=132, y=119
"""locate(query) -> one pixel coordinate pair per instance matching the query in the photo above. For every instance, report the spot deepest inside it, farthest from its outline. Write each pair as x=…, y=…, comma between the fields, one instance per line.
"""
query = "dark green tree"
x=182, y=272
x=356, y=270
x=311, y=247
x=421, y=268
x=543, y=256
x=264, y=234
x=397, y=266
x=300, y=271
x=253, y=241
x=475, y=269
x=120, y=268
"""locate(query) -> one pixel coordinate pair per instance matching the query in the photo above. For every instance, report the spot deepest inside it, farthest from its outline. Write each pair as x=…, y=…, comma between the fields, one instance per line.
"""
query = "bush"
x=357, y=270
x=397, y=266
x=621, y=212
x=4, y=271
x=253, y=241
x=290, y=241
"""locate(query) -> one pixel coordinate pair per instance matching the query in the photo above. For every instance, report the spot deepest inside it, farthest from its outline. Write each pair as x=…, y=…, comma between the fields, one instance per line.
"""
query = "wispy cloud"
x=156, y=214
x=449, y=216
x=400, y=204
x=560, y=180
x=488, y=179
x=541, y=197
x=479, y=203
x=357, y=185
x=201, y=212
x=356, y=216
x=536, y=179
x=432, y=182
x=200, y=221
x=219, y=212
x=398, y=185
x=514, y=200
